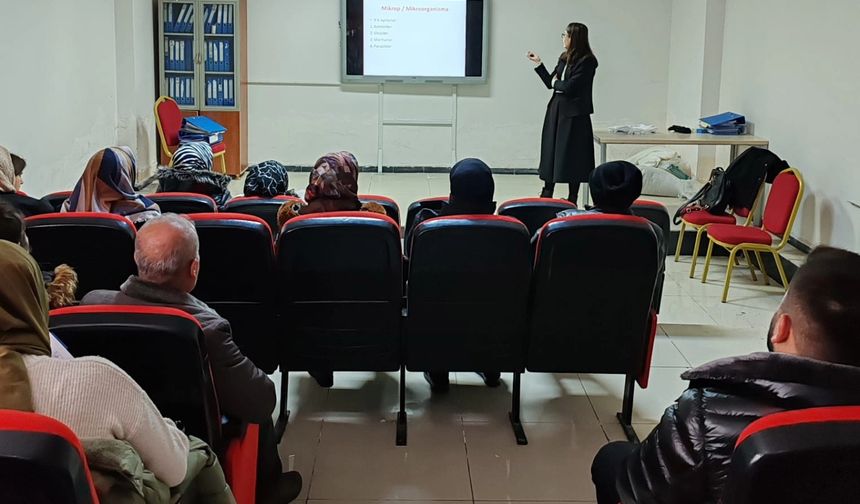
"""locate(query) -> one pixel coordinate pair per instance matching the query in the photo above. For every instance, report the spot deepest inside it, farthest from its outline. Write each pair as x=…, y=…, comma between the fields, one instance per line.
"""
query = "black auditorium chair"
x=417, y=206
x=265, y=208
x=237, y=263
x=809, y=456
x=657, y=213
x=391, y=208
x=534, y=212
x=591, y=300
x=340, y=295
x=183, y=202
x=164, y=351
x=99, y=246
x=469, y=280
x=56, y=199
x=42, y=461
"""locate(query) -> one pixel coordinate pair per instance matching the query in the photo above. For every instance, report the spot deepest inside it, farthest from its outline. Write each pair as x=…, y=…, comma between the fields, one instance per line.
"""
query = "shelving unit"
x=201, y=64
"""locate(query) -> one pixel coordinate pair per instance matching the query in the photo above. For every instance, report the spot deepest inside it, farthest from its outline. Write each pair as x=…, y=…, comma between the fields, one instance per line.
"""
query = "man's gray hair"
x=161, y=264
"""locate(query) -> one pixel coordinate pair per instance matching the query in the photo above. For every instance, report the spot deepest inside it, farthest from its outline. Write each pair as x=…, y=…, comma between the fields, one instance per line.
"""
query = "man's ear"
x=195, y=267
x=781, y=329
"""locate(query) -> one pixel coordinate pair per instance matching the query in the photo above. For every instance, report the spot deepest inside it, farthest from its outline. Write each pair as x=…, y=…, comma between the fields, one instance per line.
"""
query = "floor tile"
x=298, y=450
x=702, y=344
x=361, y=461
x=683, y=310
x=554, y=466
x=606, y=391
x=666, y=354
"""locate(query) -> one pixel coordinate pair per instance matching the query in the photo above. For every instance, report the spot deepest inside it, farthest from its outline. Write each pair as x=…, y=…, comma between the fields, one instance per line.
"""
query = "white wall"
x=58, y=93
x=792, y=68
x=298, y=42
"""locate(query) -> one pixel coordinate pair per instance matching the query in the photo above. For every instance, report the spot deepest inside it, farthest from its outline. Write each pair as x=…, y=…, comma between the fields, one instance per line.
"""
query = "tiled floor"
x=461, y=447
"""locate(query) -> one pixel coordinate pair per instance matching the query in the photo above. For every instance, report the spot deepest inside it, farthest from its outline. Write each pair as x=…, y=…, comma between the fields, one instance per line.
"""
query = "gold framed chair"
x=168, y=121
x=780, y=213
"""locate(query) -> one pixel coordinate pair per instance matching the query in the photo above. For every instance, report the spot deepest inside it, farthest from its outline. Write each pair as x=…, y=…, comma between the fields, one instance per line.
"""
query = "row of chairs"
x=475, y=300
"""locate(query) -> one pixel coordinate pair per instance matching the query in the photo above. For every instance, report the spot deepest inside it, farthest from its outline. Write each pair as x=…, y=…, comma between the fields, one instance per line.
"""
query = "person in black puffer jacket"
x=814, y=361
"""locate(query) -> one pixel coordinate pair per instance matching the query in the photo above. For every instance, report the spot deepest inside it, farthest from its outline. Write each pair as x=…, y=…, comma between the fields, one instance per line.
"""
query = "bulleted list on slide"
x=424, y=38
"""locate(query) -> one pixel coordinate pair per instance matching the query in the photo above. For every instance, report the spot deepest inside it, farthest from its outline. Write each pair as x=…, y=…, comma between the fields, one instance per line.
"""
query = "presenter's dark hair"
x=579, y=47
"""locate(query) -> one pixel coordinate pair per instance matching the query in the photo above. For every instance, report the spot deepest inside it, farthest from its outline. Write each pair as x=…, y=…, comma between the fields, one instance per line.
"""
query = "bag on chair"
x=737, y=186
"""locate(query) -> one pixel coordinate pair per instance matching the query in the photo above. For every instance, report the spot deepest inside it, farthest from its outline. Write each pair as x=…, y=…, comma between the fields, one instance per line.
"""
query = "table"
x=605, y=138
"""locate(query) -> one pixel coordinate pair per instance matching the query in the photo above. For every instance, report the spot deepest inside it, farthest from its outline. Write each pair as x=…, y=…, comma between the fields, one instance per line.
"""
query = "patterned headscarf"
x=193, y=156
x=335, y=176
x=267, y=180
x=7, y=171
x=107, y=186
x=23, y=324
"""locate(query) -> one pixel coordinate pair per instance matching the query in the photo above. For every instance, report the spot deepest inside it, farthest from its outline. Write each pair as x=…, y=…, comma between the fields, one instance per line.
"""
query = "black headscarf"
x=472, y=189
x=615, y=186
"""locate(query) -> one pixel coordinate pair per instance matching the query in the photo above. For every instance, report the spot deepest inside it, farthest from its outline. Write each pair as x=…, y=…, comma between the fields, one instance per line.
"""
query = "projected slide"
x=415, y=38
x=411, y=40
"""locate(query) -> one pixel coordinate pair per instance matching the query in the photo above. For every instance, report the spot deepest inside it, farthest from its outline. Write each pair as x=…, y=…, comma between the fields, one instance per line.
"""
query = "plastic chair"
x=340, y=291
x=99, y=246
x=469, y=279
x=780, y=213
x=164, y=351
x=534, y=212
x=591, y=311
x=41, y=460
x=239, y=247
x=168, y=121
x=803, y=456
x=183, y=202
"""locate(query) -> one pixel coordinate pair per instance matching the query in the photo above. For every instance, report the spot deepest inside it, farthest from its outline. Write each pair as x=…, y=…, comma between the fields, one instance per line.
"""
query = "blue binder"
x=228, y=60
x=724, y=119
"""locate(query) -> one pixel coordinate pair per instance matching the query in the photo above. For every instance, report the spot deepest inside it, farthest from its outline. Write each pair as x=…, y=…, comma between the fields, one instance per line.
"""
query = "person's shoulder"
x=100, y=296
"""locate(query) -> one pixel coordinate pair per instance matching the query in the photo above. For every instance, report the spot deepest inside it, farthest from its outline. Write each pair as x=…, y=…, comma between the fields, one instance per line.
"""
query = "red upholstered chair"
x=608, y=328
x=264, y=208
x=41, y=460
x=803, y=456
x=779, y=216
x=164, y=351
x=99, y=246
x=184, y=202
x=534, y=212
x=391, y=208
x=699, y=221
x=168, y=120
x=56, y=199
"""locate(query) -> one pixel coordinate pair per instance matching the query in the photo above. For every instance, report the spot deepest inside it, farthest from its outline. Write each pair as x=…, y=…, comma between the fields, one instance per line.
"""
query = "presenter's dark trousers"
x=604, y=470
x=549, y=189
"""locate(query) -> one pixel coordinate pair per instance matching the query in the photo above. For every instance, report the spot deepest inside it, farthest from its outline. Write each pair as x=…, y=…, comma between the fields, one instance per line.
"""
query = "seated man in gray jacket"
x=168, y=261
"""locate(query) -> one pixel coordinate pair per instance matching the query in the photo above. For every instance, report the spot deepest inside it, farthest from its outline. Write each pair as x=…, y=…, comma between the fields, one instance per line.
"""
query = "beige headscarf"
x=23, y=324
x=7, y=171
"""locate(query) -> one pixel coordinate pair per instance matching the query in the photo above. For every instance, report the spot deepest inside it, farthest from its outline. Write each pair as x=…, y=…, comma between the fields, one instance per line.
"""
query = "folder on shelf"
x=189, y=19
x=220, y=56
x=228, y=28
x=181, y=54
x=228, y=60
x=177, y=25
x=211, y=19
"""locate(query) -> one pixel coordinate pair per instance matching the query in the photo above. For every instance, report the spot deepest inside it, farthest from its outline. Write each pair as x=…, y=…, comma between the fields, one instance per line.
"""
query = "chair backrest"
x=56, y=199
x=793, y=457
x=99, y=246
x=431, y=203
x=468, y=294
x=658, y=214
x=340, y=292
x=534, y=212
x=42, y=461
x=391, y=208
x=591, y=295
x=184, y=202
x=264, y=208
x=237, y=264
x=162, y=349
x=168, y=120
x=783, y=202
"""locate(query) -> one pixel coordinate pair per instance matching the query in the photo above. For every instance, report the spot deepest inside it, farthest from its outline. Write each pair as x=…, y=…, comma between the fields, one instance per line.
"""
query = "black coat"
x=686, y=458
x=567, y=141
x=25, y=204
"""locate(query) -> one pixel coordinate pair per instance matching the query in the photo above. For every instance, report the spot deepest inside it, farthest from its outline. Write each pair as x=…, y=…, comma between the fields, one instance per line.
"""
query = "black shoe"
x=285, y=488
x=325, y=379
x=491, y=379
x=438, y=381
x=545, y=194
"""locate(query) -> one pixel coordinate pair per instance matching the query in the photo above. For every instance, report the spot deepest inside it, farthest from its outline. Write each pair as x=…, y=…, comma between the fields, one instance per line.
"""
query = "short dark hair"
x=19, y=163
x=11, y=224
x=825, y=292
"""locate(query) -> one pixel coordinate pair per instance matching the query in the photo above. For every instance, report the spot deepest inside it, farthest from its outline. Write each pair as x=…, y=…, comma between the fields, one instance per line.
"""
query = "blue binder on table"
x=724, y=119
x=201, y=129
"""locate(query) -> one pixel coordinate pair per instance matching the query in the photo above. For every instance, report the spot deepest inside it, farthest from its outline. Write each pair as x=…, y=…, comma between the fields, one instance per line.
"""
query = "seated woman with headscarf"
x=268, y=180
x=11, y=170
x=107, y=186
x=472, y=189
x=333, y=187
x=191, y=171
